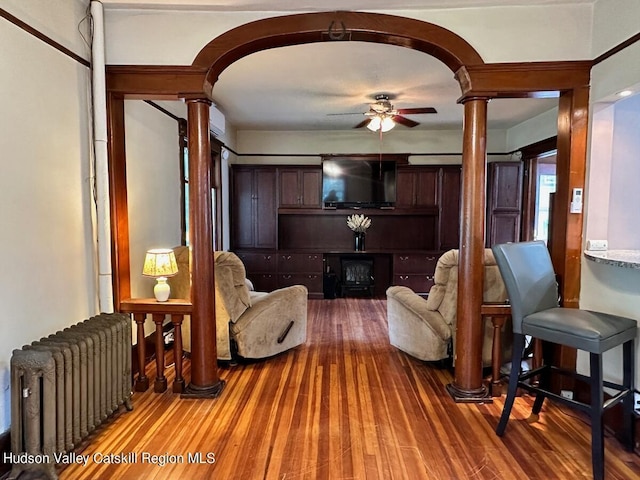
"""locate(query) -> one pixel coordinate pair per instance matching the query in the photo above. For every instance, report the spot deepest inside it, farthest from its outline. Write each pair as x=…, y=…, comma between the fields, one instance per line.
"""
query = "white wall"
x=504, y=34
x=605, y=287
x=316, y=143
x=153, y=189
x=48, y=280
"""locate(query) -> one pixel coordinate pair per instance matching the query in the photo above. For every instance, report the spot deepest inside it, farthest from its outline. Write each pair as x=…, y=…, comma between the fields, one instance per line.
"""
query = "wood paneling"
x=346, y=405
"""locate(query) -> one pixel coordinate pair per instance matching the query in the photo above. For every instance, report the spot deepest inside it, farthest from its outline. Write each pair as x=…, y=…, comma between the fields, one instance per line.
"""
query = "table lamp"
x=160, y=263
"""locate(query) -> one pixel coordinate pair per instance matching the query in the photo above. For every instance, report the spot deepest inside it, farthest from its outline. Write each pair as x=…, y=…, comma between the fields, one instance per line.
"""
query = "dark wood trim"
x=41, y=36
x=155, y=82
x=118, y=195
x=303, y=28
x=400, y=158
x=566, y=231
x=618, y=48
x=517, y=80
x=539, y=148
x=164, y=110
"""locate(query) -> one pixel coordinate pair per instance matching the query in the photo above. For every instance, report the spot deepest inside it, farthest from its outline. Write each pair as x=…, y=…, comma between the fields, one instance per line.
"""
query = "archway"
x=479, y=82
x=456, y=54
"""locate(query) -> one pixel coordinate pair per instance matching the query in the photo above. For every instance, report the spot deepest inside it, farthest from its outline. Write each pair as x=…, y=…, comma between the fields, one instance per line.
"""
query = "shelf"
x=616, y=258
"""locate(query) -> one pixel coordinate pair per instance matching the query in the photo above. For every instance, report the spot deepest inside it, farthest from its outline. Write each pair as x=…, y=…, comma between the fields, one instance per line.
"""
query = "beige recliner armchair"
x=248, y=323
x=425, y=328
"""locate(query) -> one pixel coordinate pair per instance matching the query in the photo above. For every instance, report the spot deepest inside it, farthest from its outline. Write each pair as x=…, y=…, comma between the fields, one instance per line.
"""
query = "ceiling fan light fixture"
x=387, y=124
x=381, y=122
x=374, y=124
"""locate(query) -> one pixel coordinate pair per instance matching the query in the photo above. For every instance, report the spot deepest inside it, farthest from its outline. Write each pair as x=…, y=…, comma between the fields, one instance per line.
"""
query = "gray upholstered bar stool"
x=528, y=275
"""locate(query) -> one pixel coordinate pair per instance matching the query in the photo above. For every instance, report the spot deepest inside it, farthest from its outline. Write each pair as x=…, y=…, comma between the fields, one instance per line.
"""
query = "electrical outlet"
x=597, y=245
x=568, y=394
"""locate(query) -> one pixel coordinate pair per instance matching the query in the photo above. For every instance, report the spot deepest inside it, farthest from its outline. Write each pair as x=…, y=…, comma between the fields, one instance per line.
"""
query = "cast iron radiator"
x=66, y=385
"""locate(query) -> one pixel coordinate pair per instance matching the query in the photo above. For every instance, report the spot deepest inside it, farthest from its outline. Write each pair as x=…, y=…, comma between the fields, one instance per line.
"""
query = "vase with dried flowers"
x=359, y=225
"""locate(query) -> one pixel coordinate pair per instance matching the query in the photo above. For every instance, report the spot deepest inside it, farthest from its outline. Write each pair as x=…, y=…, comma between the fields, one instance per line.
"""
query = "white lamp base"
x=162, y=290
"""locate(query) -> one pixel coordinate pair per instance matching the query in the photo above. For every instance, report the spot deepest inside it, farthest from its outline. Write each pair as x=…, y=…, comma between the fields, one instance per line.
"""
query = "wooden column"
x=467, y=384
x=205, y=381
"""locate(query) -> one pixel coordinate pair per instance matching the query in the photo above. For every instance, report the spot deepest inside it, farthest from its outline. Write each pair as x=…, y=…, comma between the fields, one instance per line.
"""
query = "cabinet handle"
x=429, y=277
x=286, y=257
x=431, y=259
x=404, y=277
x=267, y=257
x=404, y=258
x=286, y=277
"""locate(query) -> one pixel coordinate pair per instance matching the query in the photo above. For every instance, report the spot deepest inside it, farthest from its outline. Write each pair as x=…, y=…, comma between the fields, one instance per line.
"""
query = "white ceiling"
x=303, y=87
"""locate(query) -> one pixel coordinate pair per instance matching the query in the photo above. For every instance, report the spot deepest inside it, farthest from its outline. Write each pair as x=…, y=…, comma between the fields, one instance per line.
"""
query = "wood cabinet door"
x=504, y=202
x=311, y=181
x=450, y=207
x=417, y=187
x=289, y=189
x=300, y=187
x=265, y=208
x=426, y=187
x=254, y=209
x=242, y=201
x=405, y=189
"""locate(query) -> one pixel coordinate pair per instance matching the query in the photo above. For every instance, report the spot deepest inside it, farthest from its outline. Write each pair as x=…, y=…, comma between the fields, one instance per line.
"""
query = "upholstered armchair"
x=248, y=323
x=425, y=328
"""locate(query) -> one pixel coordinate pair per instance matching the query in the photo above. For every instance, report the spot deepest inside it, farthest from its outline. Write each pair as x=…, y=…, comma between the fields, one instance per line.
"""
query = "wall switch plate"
x=597, y=245
x=636, y=402
x=568, y=394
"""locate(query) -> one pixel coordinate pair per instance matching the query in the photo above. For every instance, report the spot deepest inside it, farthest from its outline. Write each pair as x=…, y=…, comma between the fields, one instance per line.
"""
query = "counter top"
x=617, y=258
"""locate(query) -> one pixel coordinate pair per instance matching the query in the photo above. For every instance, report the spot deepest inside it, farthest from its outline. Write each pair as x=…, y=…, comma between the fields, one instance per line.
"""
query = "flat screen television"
x=348, y=183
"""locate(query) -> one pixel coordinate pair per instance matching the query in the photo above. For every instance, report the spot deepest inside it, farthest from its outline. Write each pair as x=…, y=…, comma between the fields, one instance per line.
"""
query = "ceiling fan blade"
x=363, y=123
x=404, y=121
x=416, y=111
x=353, y=113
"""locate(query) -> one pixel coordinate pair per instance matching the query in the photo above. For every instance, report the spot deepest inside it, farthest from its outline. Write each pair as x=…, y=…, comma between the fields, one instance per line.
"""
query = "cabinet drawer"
x=300, y=262
x=263, y=282
x=312, y=281
x=258, y=261
x=408, y=263
x=417, y=283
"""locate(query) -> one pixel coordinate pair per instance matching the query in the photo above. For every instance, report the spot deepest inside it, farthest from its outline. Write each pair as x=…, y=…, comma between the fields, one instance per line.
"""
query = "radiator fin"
x=66, y=385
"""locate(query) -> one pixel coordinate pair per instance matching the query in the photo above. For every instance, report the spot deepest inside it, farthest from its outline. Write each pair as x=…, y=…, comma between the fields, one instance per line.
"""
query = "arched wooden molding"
x=298, y=29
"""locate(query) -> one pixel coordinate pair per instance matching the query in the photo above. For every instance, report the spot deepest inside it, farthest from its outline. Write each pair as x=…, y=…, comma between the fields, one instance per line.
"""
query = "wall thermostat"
x=576, y=201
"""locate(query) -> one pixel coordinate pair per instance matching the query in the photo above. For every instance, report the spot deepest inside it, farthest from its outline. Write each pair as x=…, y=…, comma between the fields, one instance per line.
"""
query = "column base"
x=212, y=391
x=476, y=395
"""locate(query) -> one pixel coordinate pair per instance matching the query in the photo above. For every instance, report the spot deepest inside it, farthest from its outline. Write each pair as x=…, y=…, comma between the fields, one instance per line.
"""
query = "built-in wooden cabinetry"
x=285, y=237
x=415, y=270
x=417, y=187
x=504, y=202
x=300, y=187
x=254, y=207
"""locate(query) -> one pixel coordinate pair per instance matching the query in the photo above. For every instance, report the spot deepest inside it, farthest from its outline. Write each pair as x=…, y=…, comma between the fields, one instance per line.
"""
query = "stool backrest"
x=528, y=275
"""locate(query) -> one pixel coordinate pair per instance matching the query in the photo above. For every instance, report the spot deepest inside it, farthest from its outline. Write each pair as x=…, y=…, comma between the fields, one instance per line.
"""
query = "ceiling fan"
x=382, y=115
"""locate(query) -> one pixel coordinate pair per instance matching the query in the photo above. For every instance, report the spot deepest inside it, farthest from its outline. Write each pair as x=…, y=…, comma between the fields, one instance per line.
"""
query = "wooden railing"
x=140, y=308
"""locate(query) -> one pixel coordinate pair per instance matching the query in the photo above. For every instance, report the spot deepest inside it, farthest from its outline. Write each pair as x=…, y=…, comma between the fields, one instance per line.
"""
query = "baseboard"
x=5, y=447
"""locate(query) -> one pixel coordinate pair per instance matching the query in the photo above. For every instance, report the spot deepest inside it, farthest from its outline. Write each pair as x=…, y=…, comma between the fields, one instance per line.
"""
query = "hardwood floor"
x=346, y=405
